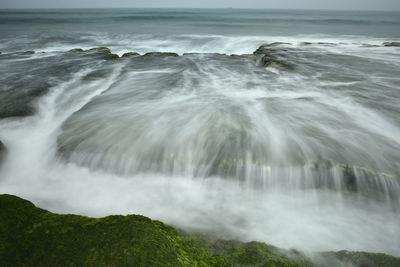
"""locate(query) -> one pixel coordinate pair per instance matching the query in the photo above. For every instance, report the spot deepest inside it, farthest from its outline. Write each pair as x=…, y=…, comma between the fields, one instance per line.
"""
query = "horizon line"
x=225, y=8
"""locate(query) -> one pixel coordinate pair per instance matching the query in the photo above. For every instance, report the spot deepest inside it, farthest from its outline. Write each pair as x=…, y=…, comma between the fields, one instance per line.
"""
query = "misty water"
x=295, y=143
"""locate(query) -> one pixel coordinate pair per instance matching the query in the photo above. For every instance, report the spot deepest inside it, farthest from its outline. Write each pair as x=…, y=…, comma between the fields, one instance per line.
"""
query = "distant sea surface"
x=188, y=30
x=280, y=126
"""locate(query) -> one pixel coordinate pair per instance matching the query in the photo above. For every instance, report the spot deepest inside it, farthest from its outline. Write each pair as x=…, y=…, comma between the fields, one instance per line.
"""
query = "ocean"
x=280, y=126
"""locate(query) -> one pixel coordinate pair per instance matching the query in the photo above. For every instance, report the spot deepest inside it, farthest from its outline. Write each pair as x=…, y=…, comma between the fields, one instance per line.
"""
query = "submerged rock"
x=276, y=44
x=369, y=45
x=391, y=44
x=327, y=44
x=3, y=152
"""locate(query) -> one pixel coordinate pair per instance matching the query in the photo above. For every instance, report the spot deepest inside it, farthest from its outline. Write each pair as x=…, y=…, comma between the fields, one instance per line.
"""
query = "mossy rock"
x=99, y=49
x=76, y=50
x=269, y=61
x=30, y=236
x=161, y=54
x=130, y=54
x=105, y=52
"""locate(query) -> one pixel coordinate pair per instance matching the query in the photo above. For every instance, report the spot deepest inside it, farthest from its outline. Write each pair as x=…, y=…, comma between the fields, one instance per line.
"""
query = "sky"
x=283, y=4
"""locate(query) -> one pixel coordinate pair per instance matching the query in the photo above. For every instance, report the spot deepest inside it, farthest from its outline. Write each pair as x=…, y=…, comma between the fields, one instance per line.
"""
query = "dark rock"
x=103, y=51
x=275, y=56
x=369, y=45
x=268, y=61
x=326, y=43
x=130, y=54
x=76, y=50
x=276, y=44
x=24, y=78
x=391, y=44
x=99, y=49
x=349, y=178
x=161, y=54
x=29, y=52
x=3, y=152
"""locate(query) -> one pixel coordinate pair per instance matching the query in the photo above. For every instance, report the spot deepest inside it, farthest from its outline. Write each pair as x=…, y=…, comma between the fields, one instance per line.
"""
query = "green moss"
x=30, y=236
x=130, y=54
x=100, y=49
x=103, y=51
x=76, y=50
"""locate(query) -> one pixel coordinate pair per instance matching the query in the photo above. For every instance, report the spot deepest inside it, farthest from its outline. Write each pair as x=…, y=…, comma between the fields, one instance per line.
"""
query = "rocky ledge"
x=30, y=236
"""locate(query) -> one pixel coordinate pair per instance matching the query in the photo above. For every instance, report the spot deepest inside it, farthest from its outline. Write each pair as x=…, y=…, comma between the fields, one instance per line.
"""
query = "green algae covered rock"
x=170, y=54
x=130, y=54
x=103, y=51
x=76, y=50
x=30, y=236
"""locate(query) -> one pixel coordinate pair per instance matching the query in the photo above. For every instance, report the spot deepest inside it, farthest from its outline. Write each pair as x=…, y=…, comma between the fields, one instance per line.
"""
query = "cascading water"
x=296, y=145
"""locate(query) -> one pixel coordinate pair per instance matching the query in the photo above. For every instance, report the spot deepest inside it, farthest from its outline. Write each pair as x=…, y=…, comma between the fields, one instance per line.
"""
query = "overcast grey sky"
x=293, y=4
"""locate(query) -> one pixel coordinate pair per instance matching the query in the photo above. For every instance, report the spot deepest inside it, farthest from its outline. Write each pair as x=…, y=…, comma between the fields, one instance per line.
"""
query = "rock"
x=268, y=61
x=99, y=49
x=76, y=50
x=276, y=44
x=327, y=44
x=369, y=45
x=105, y=52
x=275, y=56
x=130, y=54
x=161, y=54
x=29, y=52
x=391, y=44
x=30, y=236
x=3, y=152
